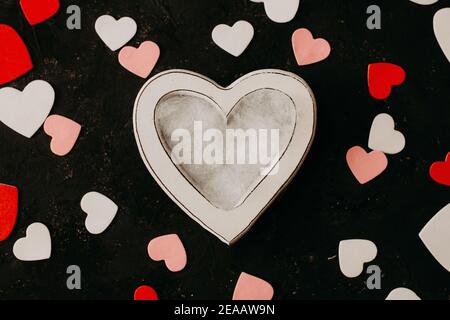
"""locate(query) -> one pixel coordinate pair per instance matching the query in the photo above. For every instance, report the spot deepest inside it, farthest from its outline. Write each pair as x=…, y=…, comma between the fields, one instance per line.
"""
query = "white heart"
x=25, y=111
x=436, y=236
x=280, y=11
x=100, y=212
x=235, y=39
x=191, y=96
x=402, y=294
x=441, y=23
x=424, y=2
x=115, y=33
x=353, y=254
x=37, y=245
x=383, y=136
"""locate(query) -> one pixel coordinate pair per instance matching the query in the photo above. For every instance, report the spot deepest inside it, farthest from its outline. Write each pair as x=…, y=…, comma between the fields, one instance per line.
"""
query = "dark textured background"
x=295, y=242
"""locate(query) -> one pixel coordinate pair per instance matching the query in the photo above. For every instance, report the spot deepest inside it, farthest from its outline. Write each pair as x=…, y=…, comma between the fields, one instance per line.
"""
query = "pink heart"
x=170, y=249
x=64, y=133
x=366, y=166
x=308, y=50
x=249, y=287
x=140, y=61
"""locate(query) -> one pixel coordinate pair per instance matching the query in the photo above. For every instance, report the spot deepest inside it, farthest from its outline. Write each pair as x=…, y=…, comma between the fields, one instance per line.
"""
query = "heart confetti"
x=440, y=171
x=402, y=294
x=353, y=254
x=366, y=166
x=235, y=39
x=64, y=133
x=169, y=249
x=26, y=111
x=140, y=61
x=15, y=59
x=115, y=33
x=424, y=2
x=249, y=287
x=37, y=11
x=382, y=77
x=145, y=293
x=9, y=204
x=308, y=50
x=36, y=246
x=441, y=25
x=436, y=236
x=280, y=11
x=100, y=211
x=383, y=137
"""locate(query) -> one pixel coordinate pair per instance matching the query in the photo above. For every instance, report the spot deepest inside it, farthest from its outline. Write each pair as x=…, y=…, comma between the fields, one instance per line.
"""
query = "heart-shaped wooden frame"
x=229, y=225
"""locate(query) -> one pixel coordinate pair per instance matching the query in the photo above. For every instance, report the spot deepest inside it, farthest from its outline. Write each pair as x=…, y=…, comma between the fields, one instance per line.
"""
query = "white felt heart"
x=37, y=245
x=100, y=211
x=353, y=254
x=25, y=111
x=225, y=198
x=235, y=39
x=424, y=2
x=115, y=33
x=280, y=11
x=383, y=136
x=436, y=236
x=441, y=23
x=402, y=294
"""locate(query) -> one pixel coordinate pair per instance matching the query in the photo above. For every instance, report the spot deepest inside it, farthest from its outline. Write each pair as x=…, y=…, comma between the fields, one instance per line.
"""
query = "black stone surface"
x=294, y=244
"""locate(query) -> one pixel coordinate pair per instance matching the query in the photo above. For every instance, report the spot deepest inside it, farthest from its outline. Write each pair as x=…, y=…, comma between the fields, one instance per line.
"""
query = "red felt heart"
x=9, y=204
x=37, y=11
x=382, y=77
x=145, y=293
x=440, y=171
x=15, y=59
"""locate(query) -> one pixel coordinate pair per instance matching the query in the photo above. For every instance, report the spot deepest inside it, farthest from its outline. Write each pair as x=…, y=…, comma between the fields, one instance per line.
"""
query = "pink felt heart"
x=140, y=61
x=366, y=166
x=308, y=50
x=64, y=133
x=249, y=287
x=170, y=249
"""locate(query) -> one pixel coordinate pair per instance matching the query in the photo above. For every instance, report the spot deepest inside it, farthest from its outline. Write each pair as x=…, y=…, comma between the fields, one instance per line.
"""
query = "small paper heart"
x=436, y=236
x=366, y=166
x=140, y=61
x=440, y=171
x=170, y=249
x=308, y=50
x=249, y=287
x=100, y=212
x=402, y=294
x=280, y=11
x=383, y=136
x=145, y=293
x=382, y=77
x=9, y=204
x=64, y=133
x=15, y=59
x=115, y=33
x=37, y=244
x=353, y=254
x=25, y=111
x=37, y=11
x=235, y=39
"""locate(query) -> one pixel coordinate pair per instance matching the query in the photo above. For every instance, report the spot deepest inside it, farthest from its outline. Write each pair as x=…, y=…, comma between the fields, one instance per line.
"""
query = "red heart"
x=382, y=77
x=145, y=293
x=37, y=11
x=9, y=204
x=440, y=171
x=15, y=59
